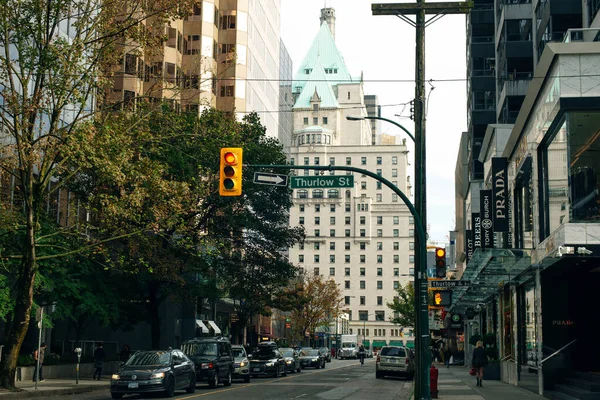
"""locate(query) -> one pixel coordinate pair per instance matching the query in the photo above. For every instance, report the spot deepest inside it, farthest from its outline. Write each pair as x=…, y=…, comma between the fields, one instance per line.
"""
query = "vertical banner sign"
x=487, y=229
x=476, y=227
x=469, y=245
x=500, y=194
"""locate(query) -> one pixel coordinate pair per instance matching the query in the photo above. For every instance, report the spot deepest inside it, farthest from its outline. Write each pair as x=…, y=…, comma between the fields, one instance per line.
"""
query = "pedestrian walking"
x=98, y=361
x=38, y=375
x=478, y=362
x=125, y=353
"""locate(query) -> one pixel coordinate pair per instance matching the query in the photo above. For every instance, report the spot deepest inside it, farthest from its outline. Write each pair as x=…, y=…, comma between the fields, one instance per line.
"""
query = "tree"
x=403, y=306
x=48, y=81
x=319, y=302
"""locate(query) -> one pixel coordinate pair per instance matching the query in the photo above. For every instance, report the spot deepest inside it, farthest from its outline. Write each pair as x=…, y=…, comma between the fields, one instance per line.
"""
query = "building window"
x=347, y=221
x=396, y=220
x=316, y=271
x=227, y=91
x=317, y=220
x=331, y=245
x=411, y=232
x=300, y=258
x=347, y=258
x=347, y=284
x=396, y=285
x=411, y=245
x=305, y=120
x=363, y=316
x=363, y=284
x=379, y=245
x=379, y=259
x=332, y=207
x=301, y=220
x=411, y=220
x=347, y=233
x=332, y=271
x=380, y=271
x=363, y=220
x=317, y=208
x=346, y=245
x=301, y=246
x=332, y=258
x=347, y=300
x=379, y=284
x=346, y=271
x=379, y=300
x=301, y=207
x=363, y=245
x=394, y=160
x=348, y=160
x=317, y=194
x=396, y=259
x=363, y=185
x=362, y=272
x=363, y=258
x=378, y=185
x=378, y=197
x=363, y=300
x=380, y=316
x=331, y=160
x=396, y=272
x=394, y=198
x=379, y=232
x=316, y=258
x=363, y=161
x=333, y=194
x=411, y=259
x=379, y=220
x=331, y=220
x=396, y=232
x=347, y=207
x=394, y=173
x=306, y=161
x=324, y=120
x=379, y=161
x=317, y=161
x=317, y=246
x=396, y=245
x=317, y=232
x=315, y=121
x=332, y=233
x=379, y=172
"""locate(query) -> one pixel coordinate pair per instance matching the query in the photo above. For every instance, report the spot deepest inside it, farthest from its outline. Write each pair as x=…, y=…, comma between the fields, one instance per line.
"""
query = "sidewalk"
x=54, y=387
x=455, y=383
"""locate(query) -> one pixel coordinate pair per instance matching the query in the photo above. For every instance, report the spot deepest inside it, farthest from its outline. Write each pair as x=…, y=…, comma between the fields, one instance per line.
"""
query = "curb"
x=31, y=394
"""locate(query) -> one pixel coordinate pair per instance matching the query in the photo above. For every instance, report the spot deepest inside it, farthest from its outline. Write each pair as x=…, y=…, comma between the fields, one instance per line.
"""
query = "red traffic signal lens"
x=439, y=252
x=440, y=263
x=230, y=158
x=229, y=171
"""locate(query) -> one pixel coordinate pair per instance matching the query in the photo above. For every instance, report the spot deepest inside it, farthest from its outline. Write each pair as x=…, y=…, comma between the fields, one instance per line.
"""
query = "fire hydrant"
x=433, y=379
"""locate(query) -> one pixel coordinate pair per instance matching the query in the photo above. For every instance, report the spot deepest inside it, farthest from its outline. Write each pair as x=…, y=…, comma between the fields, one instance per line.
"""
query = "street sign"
x=263, y=178
x=316, y=182
x=449, y=284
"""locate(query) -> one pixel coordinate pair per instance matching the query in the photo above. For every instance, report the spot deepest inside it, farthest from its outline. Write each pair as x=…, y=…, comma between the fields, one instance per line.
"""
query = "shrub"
x=25, y=361
x=52, y=359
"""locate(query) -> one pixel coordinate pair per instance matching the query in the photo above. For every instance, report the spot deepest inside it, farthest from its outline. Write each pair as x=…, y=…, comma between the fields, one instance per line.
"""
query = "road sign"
x=316, y=182
x=449, y=284
x=270, y=179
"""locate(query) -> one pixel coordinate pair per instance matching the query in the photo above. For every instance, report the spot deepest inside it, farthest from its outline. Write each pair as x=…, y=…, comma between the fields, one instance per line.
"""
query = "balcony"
x=582, y=35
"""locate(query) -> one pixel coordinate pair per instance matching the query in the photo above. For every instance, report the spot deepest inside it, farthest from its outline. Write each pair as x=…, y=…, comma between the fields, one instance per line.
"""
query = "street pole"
x=420, y=9
x=37, y=363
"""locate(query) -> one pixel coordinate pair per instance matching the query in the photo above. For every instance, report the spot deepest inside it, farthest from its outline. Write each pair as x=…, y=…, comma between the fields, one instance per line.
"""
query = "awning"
x=379, y=343
x=215, y=327
x=201, y=325
x=396, y=343
x=366, y=343
x=410, y=345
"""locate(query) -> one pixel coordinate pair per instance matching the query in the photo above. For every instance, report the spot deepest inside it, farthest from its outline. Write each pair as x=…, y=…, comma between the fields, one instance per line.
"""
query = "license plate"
x=256, y=370
x=132, y=385
x=392, y=360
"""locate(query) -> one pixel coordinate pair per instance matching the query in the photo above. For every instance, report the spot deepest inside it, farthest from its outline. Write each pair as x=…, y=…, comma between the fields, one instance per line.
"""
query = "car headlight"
x=270, y=364
x=116, y=377
x=315, y=359
x=288, y=362
x=242, y=364
x=157, y=375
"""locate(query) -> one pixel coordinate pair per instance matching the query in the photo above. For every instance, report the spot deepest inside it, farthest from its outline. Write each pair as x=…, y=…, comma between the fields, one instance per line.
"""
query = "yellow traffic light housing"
x=230, y=179
x=440, y=262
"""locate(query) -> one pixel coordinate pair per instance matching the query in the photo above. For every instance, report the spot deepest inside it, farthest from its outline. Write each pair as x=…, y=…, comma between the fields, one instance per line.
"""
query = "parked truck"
x=349, y=348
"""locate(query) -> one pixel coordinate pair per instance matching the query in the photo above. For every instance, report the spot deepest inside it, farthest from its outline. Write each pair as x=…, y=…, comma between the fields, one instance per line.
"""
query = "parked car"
x=213, y=358
x=292, y=361
x=154, y=371
x=267, y=360
x=395, y=360
x=241, y=364
x=311, y=358
x=326, y=353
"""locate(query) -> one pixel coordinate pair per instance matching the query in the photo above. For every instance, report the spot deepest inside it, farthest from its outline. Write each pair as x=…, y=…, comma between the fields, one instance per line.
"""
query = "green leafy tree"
x=403, y=306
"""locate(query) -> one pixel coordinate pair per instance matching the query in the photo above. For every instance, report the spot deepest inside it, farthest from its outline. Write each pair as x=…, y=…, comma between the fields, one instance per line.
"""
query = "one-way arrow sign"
x=270, y=179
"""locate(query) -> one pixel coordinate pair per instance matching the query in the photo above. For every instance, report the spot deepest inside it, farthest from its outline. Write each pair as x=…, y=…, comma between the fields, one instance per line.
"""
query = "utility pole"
x=420, y=9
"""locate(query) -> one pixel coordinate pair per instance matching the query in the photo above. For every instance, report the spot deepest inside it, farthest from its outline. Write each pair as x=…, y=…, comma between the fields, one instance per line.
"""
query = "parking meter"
x=78, y=352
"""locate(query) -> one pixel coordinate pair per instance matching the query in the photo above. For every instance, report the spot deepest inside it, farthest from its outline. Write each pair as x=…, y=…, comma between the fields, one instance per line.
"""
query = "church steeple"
x=328, y=15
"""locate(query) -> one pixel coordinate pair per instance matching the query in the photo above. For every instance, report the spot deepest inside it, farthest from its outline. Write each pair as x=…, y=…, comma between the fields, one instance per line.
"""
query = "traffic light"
x=440, y=262
x=230, y=182
x=442, y=298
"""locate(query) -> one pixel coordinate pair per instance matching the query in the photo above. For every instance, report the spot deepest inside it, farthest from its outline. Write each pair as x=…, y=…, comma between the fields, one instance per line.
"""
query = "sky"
x=383, y=49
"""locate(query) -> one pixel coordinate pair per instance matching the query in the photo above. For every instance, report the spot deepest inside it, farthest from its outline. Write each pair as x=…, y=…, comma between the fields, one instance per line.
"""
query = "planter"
x=66, y=371
x=491, y=372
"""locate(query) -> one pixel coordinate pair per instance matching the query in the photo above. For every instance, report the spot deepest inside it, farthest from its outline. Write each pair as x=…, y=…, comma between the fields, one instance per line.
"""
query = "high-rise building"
x=223, y=54
x=373, y=110
x=361, y=237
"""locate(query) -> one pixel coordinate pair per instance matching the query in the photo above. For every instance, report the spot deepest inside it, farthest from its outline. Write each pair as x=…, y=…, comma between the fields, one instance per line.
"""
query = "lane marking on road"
x=215, y=392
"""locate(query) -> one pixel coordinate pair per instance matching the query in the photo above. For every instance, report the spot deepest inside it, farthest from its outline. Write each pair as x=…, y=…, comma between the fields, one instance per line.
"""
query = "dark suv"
x=213, y=359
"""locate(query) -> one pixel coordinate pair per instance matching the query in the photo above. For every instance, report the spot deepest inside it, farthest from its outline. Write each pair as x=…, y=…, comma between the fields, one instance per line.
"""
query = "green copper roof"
x=323, y=66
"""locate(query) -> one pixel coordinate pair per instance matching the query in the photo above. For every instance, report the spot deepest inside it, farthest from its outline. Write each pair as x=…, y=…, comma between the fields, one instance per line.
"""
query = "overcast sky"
x=383, y=48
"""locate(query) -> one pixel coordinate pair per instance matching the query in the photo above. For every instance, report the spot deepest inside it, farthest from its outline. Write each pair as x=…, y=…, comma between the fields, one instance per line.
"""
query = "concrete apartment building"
x=536, y=160
x=362, y=237
x=224, y=54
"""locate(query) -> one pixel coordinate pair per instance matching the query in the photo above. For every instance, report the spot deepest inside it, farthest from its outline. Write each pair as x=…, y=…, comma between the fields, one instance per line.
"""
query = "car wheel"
x=276, y=373
x=214, y=382
x=192, y=387
x=247, y=379
x=116, y=395
x=170, y=392
x=228, y=379
x=378, y=375
x=323, y=366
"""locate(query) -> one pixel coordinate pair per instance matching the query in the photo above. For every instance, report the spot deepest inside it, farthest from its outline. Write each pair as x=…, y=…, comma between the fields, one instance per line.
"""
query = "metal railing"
x=582, y=35
x=557, y=351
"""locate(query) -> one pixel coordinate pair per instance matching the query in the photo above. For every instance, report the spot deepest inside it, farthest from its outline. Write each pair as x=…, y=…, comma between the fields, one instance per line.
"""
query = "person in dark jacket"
x=98, y=360
x=479, y=361
x=125, y=354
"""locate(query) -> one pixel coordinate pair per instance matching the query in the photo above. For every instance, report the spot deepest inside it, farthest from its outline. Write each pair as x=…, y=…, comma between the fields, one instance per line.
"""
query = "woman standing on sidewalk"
x=479, y=361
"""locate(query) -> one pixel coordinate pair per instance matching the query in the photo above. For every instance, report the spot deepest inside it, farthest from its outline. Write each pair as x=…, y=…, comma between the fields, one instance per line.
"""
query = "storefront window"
x=527, y=324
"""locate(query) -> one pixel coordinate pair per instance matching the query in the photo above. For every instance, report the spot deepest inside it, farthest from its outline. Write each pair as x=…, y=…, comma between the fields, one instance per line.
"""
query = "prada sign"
x=500, y=194
x=487, y=228
x=476, y=228
x=469, y=245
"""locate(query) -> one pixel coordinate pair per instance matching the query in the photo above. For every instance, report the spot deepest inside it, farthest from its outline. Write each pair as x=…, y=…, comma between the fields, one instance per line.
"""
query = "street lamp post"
x=355, y=118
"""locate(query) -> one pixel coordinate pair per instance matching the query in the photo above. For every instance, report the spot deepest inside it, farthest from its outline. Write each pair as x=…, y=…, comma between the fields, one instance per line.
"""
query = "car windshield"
x=309, y=353
x=238, y=352
x=349, y=344
x=393, y=352
x=150, y=358
x=200, y=349
x=288, y=353
x=265, y=354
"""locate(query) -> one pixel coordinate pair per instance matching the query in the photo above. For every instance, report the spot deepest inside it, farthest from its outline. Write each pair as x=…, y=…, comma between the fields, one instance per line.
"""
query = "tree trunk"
x=23, y=302
x=153, y=305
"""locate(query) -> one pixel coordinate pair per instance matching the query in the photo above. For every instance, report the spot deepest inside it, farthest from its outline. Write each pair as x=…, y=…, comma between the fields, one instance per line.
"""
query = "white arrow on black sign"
x=270, y=179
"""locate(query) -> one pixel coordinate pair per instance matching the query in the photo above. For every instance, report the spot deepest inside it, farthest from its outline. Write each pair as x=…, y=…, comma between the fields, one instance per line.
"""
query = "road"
x=340, y=380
